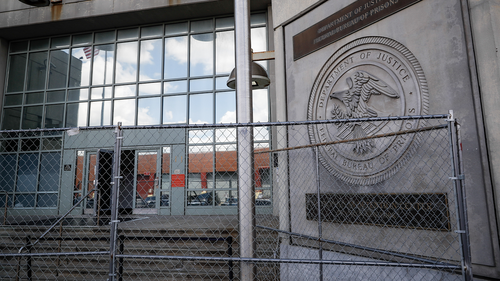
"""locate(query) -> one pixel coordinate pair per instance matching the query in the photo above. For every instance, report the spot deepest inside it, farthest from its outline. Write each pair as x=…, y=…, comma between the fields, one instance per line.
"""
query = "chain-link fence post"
x=320, y=227
x=114, y=201
x=458, y=182
x=246, y=198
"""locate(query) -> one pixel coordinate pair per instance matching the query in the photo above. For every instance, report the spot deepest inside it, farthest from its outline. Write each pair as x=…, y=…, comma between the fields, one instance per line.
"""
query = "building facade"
x=85, y=63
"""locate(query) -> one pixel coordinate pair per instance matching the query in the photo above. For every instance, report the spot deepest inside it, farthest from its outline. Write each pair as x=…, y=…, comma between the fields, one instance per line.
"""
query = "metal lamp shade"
x=260, y=80
x=36, y=3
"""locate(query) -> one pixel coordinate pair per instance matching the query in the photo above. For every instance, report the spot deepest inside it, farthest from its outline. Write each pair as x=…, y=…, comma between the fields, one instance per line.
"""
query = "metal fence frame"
x=116, y=255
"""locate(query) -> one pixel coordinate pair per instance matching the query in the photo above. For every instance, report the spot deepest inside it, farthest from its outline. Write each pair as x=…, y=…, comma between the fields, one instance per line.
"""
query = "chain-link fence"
x=363, y=199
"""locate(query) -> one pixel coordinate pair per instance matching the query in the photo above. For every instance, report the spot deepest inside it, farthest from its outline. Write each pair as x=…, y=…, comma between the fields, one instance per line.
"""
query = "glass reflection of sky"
x=100, y=113
x=175, y=87
x=149, y=89
x=150, y=64
x=148, y=111
x=224, y=52
x=103, y=65
x=126, y=62
x=174, y=109
x=201, y=109
x=176, y=55
x=124, y=111
x=225, y=107
x=201, y=54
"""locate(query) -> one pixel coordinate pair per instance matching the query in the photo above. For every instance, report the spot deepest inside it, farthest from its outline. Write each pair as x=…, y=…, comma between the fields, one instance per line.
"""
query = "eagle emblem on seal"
x=361, y=86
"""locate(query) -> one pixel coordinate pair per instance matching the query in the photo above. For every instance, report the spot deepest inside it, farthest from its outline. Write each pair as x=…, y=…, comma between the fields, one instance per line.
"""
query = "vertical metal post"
x=320, y=226
x=246, y=198
x=458, y=179
x=115, y=190
x=29, y=272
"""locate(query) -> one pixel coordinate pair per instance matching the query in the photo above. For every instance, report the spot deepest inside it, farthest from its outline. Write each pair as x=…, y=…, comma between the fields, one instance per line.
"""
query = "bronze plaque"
x=419, y=210
x=344, y=22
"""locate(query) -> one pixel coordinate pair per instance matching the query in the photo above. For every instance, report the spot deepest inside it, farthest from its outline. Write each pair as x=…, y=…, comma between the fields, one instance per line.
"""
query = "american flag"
x=88, y=52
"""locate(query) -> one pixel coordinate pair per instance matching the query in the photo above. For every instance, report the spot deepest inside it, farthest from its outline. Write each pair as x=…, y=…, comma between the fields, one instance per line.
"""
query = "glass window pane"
x=11, y=118
x=151, y=31
x=224, y=23
x=49, y=171
x=51, y=143
x=47, y=200
x=201, y=136
x=225, y=135
x=79, y=72
x=150, y=61
x=13, y=100
x=126, y=62
x=175, y=87
x=221, y=83
x=176, y=28
x=224, y=52
x=8, y=172
x=259, y=40
x=18, y=46
x=225, y=107
x=174, y=109
x=201, y=109
x=59, y=42
x=101, y=93
x=54, y=116
x=124, y=111
x=103, y=64
x=27, y=172
x=105, y=37
x=17, y=69
x=148, y=111
x=76, y=114
x=176, y=56
x=32, y=117
x=78, y=94
x=82, y=39
x=260, y=105
x=202, y=56
x=56, y=96
x=149, y=89
x=39, y=44
x=37, y=69
x=196, y=85
x=125, y=91
x=202, y=25
x=30, y=144
x=33, y=98
x=24, y=201
x=100, y=113
x=257, y=19
x=125, y=34
x=58, y=68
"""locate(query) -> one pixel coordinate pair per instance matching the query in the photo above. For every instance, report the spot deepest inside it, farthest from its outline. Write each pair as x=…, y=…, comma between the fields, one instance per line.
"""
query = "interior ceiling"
x=150, y=16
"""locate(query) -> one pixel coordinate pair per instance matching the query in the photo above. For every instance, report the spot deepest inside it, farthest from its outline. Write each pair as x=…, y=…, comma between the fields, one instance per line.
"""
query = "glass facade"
x=172, y=73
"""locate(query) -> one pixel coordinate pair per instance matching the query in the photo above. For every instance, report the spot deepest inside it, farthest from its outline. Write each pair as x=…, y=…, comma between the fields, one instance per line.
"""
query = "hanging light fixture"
x=260, y=80
x=36, y=3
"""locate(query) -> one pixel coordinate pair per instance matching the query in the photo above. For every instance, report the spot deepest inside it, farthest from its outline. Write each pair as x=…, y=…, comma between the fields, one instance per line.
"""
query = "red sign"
x=178, y=180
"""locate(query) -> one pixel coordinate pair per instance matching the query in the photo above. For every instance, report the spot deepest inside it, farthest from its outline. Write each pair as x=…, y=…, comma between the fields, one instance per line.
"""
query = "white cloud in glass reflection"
x=228, y=117
x=144, y=117
x=175, y=48
x=260, y=106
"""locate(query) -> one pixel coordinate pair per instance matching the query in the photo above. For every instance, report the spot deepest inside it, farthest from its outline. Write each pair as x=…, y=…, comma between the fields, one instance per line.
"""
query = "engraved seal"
x=368, y=77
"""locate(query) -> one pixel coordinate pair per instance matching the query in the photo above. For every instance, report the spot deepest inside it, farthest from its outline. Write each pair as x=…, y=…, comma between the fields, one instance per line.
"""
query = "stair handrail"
x=57, y=222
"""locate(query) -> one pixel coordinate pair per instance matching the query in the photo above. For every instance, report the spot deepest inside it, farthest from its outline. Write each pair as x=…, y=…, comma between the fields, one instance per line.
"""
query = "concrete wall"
x=438, y=34
x=485, y=17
